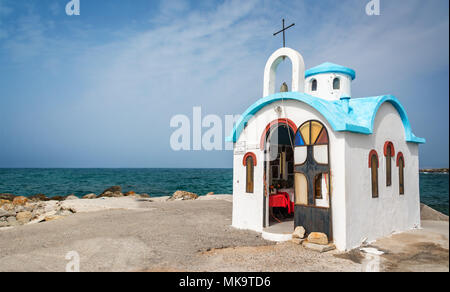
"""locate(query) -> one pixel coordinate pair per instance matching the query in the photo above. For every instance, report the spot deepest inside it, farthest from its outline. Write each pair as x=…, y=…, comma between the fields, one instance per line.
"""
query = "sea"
x=434, y=187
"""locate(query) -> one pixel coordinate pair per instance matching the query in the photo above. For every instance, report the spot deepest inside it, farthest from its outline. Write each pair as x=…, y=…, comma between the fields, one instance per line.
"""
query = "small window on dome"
x=336, y=83
x=314, y=85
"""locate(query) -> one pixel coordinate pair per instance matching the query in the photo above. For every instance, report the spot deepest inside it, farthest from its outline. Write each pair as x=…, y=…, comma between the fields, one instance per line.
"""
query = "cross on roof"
x=283, y=31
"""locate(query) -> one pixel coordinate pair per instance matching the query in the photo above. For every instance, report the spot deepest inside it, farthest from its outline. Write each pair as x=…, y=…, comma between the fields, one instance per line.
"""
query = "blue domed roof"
x=361, y=118
x=330, y=68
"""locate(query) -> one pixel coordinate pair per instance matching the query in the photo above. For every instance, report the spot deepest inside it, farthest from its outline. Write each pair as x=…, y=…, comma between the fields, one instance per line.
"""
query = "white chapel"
x=312, y=155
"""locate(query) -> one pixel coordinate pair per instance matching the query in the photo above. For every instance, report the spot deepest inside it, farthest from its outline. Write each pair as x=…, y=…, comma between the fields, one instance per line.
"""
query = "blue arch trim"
x=330, y=68
x=358, y=118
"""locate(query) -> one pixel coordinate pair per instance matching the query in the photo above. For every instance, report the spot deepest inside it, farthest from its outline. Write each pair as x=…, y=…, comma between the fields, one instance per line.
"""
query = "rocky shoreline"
x=435, y=170
x=20, y=210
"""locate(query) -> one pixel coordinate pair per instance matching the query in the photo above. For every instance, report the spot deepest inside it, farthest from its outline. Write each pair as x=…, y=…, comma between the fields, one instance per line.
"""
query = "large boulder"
x=183, y=196
x=112, y=192
x=19, y=201
x=24, y=217
x=38, y=198
x=90, y=196
x=318, y=238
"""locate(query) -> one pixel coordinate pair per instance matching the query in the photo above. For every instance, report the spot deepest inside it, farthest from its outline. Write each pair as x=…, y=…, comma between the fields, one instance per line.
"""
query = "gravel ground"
x=172, y=236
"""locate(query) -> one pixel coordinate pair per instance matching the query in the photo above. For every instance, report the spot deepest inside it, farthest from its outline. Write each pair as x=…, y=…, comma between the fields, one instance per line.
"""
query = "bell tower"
x=298, y=70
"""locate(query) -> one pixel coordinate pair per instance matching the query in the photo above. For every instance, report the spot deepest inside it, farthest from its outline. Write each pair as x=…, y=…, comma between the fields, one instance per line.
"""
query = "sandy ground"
x=125, y=234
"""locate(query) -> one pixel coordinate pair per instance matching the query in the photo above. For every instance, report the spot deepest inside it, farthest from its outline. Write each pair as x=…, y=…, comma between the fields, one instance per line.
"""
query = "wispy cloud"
x=129, y=82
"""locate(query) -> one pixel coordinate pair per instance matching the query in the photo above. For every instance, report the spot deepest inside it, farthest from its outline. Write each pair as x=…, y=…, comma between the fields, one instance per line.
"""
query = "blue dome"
x=330, y=68
x=361, y=119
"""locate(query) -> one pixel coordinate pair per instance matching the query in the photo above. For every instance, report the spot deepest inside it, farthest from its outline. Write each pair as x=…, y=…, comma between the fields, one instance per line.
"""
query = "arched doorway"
x=312, y=178
x=278, y=145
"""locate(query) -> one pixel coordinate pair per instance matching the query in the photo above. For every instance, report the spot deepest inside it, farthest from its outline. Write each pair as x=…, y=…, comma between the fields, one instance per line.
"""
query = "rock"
x=110, y=195
x=299, y=232
x=8, y=206
x=427, y=213
x=112, y=192
x=23, y=217
x=18, y=209
x=63, y=213
x=58, y=198
x=19, y=201
x=318, y=238
x=5, y=214
x=210, y=194
x=130, y=194
x=4, y=202
x=52, y=218
x=318, y=247
x=71, y=198
x=144, y=196
x=297, y=241
x=38, y=198
x=90, y=196
x=8, y=197
x=183, y=195
x=12, y=221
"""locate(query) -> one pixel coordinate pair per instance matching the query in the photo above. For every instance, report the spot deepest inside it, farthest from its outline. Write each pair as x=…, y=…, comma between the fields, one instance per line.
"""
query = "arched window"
x=389, y=153
x=311, y=159
x=336, y=83
x=250, y=163
x=401, y=172
x=314, y=85
x=373, y=165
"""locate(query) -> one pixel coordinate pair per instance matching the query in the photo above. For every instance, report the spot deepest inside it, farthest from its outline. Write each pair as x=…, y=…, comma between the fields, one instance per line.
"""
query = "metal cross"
x=283, y=31
x=311, y=169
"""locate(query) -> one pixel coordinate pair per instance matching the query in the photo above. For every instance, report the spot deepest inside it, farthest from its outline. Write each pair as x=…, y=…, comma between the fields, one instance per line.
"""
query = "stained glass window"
x=311, y=133
x=312, y=166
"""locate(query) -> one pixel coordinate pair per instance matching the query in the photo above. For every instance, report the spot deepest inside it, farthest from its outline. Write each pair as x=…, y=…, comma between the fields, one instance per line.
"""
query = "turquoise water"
x=434, y=191
x=161, y=182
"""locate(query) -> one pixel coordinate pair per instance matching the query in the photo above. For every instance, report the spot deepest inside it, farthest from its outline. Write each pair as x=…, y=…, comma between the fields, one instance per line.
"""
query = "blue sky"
x=99, y=89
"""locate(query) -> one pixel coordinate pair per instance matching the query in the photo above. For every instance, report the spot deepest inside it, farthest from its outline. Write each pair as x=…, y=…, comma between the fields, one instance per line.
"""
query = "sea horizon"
x=158, y=182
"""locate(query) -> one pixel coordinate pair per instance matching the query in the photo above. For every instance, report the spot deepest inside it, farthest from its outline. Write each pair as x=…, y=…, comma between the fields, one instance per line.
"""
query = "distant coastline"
x=435, y=170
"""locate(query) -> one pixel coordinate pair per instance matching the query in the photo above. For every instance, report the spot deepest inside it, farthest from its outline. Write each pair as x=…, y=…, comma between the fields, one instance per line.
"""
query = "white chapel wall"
x=371, y=218
x=325, y=86
x=248, y=208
